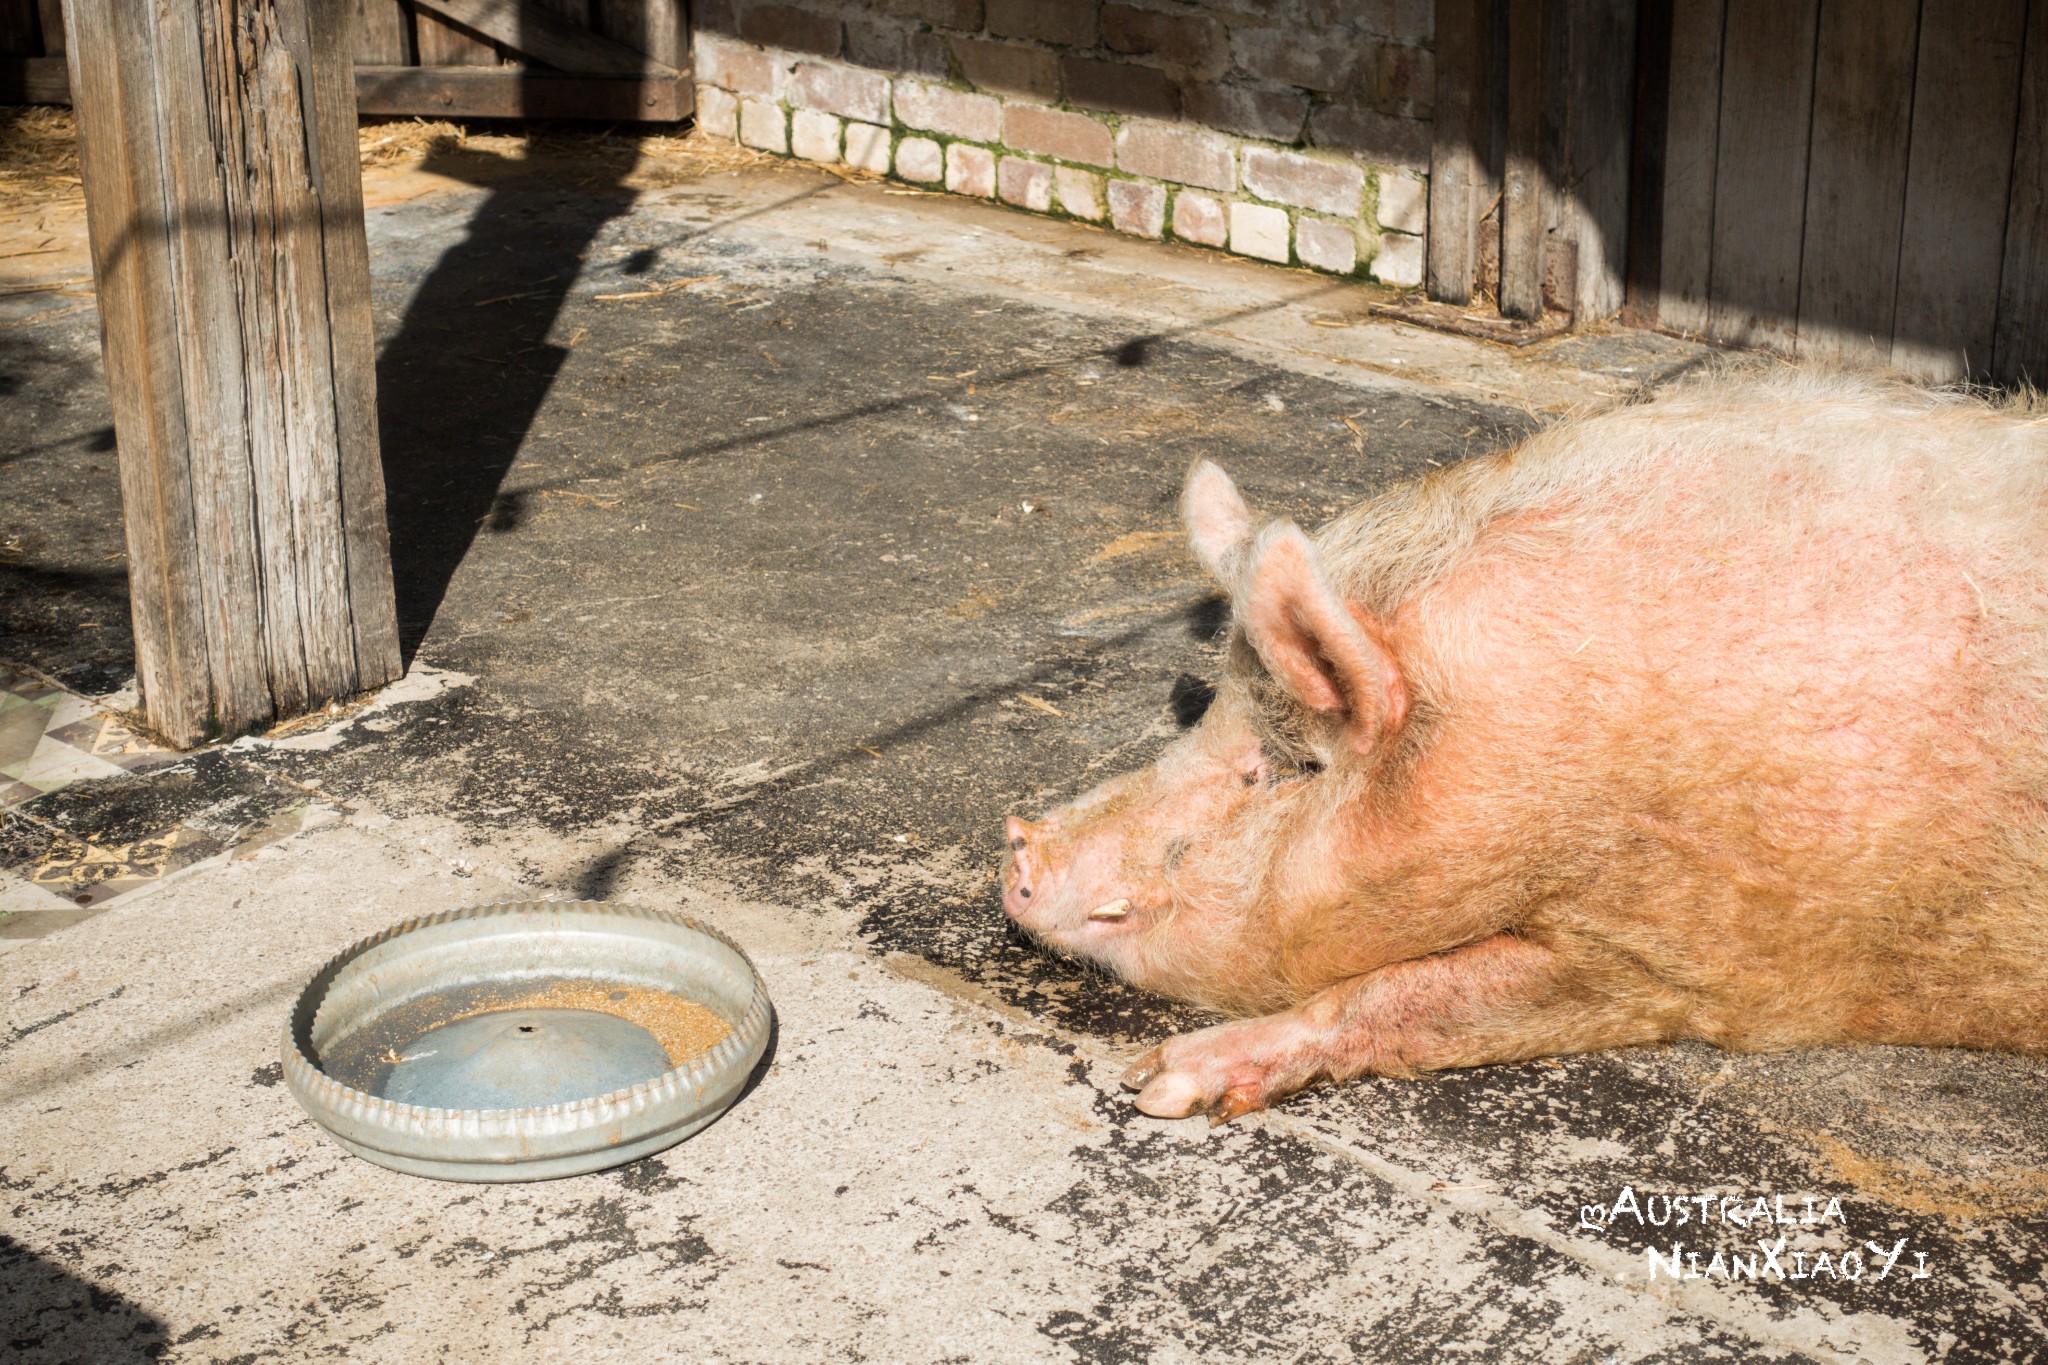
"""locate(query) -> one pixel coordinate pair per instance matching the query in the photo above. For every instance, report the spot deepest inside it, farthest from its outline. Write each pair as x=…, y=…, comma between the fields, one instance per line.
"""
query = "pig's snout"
x=1045, y=874
x=1021, y=871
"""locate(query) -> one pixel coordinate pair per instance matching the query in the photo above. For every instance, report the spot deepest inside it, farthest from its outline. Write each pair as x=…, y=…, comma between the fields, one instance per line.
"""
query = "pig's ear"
x=1324, y=650
x=1219, y=524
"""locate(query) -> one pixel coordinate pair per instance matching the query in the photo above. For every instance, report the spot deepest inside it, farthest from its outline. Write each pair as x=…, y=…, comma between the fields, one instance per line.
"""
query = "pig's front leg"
x=1501, y=999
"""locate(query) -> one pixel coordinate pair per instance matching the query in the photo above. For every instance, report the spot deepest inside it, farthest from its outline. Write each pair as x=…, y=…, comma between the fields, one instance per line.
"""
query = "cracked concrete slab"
x=771, y=593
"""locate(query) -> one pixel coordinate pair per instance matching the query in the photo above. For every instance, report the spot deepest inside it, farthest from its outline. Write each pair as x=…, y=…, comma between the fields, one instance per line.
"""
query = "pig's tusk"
x=1116, y=909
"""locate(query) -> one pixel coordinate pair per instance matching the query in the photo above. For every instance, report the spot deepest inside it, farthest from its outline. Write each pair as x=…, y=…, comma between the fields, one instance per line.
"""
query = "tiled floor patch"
x=69, y=873
x=71, y=847
x=51, y=877
x=50, y=738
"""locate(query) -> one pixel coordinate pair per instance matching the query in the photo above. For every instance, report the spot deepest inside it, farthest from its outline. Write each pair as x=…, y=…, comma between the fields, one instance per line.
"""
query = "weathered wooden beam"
x=1454, y=162
x=34, y=80
x=1856, y=178
x=531, y=31
x=224, y=204
x=1521, y=235
x=1692, y=133
x=659, y=28
x=1760, y=171
x=513, y=92
x=2021, y=345
x=1966, y=97
x=383, y=33
x=52, y=12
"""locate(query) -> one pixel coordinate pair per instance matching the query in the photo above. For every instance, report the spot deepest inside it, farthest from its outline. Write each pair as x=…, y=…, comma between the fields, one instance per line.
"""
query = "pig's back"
x=1762, y=665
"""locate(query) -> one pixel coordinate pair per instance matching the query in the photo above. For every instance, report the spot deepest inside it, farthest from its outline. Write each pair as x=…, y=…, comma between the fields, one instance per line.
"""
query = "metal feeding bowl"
x=527, y=1040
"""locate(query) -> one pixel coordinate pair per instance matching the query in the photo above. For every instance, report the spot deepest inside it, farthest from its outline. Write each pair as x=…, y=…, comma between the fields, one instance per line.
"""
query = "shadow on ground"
x=48, y=1313
x=460, y=384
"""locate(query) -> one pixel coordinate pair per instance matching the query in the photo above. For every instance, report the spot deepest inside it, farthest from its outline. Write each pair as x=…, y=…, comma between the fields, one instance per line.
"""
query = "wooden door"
x=594, y=59
x=1858, y=178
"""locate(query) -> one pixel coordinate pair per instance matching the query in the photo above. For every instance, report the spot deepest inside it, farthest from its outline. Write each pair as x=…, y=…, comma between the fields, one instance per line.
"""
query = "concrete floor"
x=764, y=597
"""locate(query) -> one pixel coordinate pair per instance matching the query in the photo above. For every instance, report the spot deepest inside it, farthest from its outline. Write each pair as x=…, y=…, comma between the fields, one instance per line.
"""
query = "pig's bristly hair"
x=1738, y=702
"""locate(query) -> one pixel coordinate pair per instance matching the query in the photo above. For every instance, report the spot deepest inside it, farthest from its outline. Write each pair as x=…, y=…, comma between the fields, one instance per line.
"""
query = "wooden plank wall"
x=384, y=34
x=1952, y=237
x=393, y=33
x=1861, y=178
x=1856, y=178
x=444, y=44
x=583, y=59
x=1760, y=171
x=660, y=28
x=20, y=30
x=1456, y=149
x=1595, y=54
x=1531, y=157
x=1521, y=213
x=1692, y=137
x=2020, y=348
x=32, y=28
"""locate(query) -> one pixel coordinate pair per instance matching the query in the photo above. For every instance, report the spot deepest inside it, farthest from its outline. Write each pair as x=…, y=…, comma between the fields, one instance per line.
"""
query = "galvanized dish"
x=485, y=1044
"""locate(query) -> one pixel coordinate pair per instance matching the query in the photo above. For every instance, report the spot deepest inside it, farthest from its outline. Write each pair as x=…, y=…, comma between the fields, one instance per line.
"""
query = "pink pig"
x=1719, y=716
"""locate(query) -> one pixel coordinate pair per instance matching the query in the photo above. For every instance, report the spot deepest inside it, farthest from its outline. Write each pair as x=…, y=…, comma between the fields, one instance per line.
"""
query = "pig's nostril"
x=1016, y=845
x=1024, y=893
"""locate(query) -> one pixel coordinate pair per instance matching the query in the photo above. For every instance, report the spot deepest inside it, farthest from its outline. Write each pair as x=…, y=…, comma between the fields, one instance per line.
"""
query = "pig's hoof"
x=1142, y=1071
x=1174, y=1095
x=1185, y=1085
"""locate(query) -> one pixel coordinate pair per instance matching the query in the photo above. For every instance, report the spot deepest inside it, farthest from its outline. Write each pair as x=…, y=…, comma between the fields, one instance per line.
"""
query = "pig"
x=1717, y=715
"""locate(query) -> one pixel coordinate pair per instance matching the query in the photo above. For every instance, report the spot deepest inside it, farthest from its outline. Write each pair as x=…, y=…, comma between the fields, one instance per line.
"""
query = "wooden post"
x=224, y=201
x=2022, y=337
x=1454, y=161
x=1521, y=237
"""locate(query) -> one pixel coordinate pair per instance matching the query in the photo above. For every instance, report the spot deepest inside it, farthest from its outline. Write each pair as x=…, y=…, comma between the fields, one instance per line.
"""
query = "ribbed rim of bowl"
x=672, y=1087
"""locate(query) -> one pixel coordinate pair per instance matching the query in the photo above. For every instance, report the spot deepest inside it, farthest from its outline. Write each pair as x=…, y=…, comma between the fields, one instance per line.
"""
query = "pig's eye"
x=1278, y=764
x=1297, y=769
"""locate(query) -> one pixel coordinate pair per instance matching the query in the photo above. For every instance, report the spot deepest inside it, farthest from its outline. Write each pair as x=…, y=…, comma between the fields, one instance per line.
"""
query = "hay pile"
x=38, y=158
x=646, y=159
x=39, y=151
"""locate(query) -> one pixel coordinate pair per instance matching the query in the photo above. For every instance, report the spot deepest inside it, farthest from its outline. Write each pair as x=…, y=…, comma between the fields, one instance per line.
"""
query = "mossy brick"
x=1200, y=219
x=1166, y=151
x=1137, y=208
x=1058, y=133
x=952, y=113
x=1332, y=187
x=844, y=90
x=970, y=170
x=1259, y=230
x=1079, y=192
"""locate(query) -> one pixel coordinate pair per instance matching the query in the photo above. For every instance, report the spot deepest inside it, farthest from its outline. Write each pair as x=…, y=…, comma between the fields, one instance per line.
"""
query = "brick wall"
x=1289, y=130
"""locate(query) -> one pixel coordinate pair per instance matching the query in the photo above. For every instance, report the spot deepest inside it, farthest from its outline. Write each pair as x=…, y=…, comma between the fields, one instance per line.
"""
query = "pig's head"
x=1191, y=877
